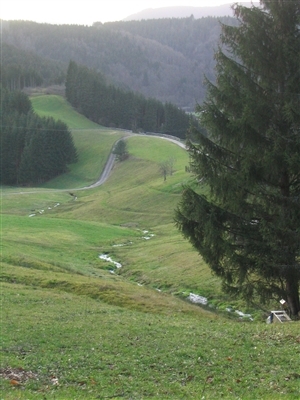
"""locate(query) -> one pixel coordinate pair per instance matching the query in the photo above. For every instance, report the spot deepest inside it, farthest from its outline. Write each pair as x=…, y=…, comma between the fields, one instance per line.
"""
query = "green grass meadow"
x=75, y=326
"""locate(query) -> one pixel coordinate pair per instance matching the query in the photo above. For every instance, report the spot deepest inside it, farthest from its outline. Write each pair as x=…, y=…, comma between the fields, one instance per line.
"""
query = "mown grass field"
x=76, y=327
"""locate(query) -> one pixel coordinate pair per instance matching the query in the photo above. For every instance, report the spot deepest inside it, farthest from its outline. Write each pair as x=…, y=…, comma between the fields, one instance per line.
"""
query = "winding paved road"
x=107, y=168
x=111, y=160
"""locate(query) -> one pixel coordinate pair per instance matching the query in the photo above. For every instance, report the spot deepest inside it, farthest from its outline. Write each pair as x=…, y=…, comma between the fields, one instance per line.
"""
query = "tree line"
x=108, y=105
x=33, y=149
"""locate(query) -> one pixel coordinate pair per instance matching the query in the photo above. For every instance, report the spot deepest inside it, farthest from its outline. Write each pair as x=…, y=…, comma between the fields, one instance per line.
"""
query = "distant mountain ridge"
x=167, y=59
x=186, y=11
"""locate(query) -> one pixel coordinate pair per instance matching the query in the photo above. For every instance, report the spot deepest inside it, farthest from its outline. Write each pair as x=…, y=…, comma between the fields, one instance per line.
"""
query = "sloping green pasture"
x=58, y=108
x=76, y=327
x=60, y=344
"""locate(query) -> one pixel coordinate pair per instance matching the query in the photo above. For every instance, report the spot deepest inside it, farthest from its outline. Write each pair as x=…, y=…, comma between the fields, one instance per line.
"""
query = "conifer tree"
x=247, y=228
x=176, y=121
x=120, y=150
x=71, y=83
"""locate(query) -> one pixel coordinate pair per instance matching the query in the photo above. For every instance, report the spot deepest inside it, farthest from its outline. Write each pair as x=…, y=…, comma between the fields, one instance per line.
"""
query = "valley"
x=74, y=326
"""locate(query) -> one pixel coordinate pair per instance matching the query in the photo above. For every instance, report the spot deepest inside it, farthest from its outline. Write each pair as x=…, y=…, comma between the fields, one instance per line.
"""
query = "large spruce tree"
x=247, y=227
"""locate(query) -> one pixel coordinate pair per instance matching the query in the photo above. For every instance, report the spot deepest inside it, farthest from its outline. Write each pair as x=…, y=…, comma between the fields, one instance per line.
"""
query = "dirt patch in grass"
x=17, y=376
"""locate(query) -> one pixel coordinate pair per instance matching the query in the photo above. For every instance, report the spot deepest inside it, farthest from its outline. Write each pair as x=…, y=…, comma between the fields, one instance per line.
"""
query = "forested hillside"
x=108, y=105
x=21, y=68
x=165, y=59
x=33, y=149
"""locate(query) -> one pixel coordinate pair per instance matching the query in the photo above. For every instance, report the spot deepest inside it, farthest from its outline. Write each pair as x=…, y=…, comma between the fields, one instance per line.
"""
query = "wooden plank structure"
x=280, y=316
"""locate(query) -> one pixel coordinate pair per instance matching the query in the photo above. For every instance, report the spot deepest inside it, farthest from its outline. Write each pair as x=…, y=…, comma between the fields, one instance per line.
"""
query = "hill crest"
x=185, y=11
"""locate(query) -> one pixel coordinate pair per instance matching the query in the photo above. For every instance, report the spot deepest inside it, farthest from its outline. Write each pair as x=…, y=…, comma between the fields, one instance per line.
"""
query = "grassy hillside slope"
x=56, y=106
x=93, y=142
x=75, y=326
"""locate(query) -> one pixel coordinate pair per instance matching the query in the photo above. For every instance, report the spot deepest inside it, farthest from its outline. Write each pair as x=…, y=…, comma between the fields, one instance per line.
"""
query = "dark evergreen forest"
x=33, y=149
x=20, y=69
x=165, y=59
x=109, y=105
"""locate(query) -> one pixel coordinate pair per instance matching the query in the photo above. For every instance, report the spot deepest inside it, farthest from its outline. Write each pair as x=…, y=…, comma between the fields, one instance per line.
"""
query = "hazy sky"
x=85, y=12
